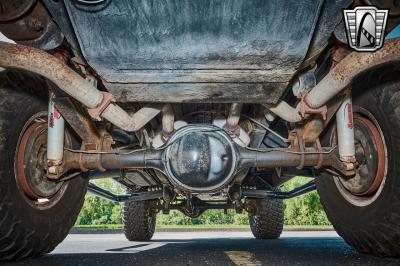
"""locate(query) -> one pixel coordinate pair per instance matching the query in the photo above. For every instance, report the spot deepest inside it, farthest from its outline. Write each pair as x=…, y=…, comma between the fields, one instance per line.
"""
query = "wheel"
x=267, y=220
x=35, y=214
x=365, y=209
x=139, y=218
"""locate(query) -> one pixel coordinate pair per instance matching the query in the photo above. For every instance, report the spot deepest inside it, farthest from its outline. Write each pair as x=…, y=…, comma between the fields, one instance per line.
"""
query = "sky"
x=394, y=33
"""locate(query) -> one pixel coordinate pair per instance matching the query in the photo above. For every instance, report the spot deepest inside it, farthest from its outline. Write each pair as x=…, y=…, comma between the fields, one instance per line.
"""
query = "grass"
x=206, y=226
x=100, y=226
x=308, y=227
x=190, y=226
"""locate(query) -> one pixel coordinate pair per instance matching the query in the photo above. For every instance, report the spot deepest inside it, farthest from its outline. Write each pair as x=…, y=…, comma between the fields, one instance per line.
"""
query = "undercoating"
x=201, y=51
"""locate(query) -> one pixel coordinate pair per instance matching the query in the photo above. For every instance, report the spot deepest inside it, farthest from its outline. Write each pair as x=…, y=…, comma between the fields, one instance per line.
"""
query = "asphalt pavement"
x=207, y=248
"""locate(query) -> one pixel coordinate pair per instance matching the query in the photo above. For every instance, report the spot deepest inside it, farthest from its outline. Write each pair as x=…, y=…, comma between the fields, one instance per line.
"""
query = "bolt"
x=235, y=195
x=349, y=166
x=52, y=170
x=35, y=25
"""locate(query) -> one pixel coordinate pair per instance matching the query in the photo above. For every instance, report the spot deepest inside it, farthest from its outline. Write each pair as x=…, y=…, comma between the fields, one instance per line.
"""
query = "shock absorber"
x=55, y=139
x=345, y=130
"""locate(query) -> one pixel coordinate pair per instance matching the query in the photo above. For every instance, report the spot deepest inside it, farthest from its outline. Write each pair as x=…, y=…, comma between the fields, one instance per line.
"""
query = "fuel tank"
x=195, y=51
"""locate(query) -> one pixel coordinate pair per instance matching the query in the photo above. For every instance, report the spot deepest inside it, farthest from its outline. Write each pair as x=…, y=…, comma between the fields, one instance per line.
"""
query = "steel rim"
x=30, y=155
x=372, y=186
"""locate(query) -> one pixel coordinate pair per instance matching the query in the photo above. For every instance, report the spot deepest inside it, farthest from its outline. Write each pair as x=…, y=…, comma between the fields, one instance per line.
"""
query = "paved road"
x=207, y=248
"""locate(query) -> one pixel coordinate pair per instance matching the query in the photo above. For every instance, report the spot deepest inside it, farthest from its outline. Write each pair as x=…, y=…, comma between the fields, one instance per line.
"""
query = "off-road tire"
x=375, y=228
x=139, y=219
x=267, y=221
x=25, y=231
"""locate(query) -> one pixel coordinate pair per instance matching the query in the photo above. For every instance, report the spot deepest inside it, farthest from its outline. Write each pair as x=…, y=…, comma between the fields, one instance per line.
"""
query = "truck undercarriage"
x=213, y=109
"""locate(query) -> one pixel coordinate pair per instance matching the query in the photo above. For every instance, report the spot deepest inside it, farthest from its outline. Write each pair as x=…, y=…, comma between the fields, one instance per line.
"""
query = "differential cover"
x=200, y=159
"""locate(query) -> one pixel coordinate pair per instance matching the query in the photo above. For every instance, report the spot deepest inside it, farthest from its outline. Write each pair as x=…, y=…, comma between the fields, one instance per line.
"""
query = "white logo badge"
x=365, y=27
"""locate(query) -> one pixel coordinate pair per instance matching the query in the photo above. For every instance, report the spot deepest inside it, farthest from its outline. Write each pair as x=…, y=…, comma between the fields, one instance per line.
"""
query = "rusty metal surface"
x=313, y=128
x=92, y=160
x=380, y=148
x=50, y=38
x=247, y=158
x=42, y=63
x=54, y=69
x=130, y=123
x=371, y=162
x=347, y=69
x=290, y=158
x=27, y=27
x=344, y=73
x=20, y=165
x=29, y=23
x=315, y=125
x=14, y=9
x=355, y=63
x=31, y=163
x=305, y=109
x=79, y=120
x=107, y=99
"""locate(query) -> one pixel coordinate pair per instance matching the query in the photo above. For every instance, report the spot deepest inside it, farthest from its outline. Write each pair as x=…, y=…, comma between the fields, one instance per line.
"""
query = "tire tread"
x=135, y=217
x=268, y=222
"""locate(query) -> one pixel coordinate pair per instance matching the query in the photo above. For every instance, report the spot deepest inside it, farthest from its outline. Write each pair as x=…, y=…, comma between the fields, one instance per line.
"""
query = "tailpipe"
x=99, y=104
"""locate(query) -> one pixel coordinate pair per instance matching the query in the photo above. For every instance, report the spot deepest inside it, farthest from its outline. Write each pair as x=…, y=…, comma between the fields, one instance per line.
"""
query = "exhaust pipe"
x=100, y=104
x=286, y=112
x=339, y=78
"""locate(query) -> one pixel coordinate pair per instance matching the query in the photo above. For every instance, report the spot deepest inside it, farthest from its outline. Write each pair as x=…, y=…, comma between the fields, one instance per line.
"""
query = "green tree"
x=303, y=210
x=306, y=209
x=98, y=211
